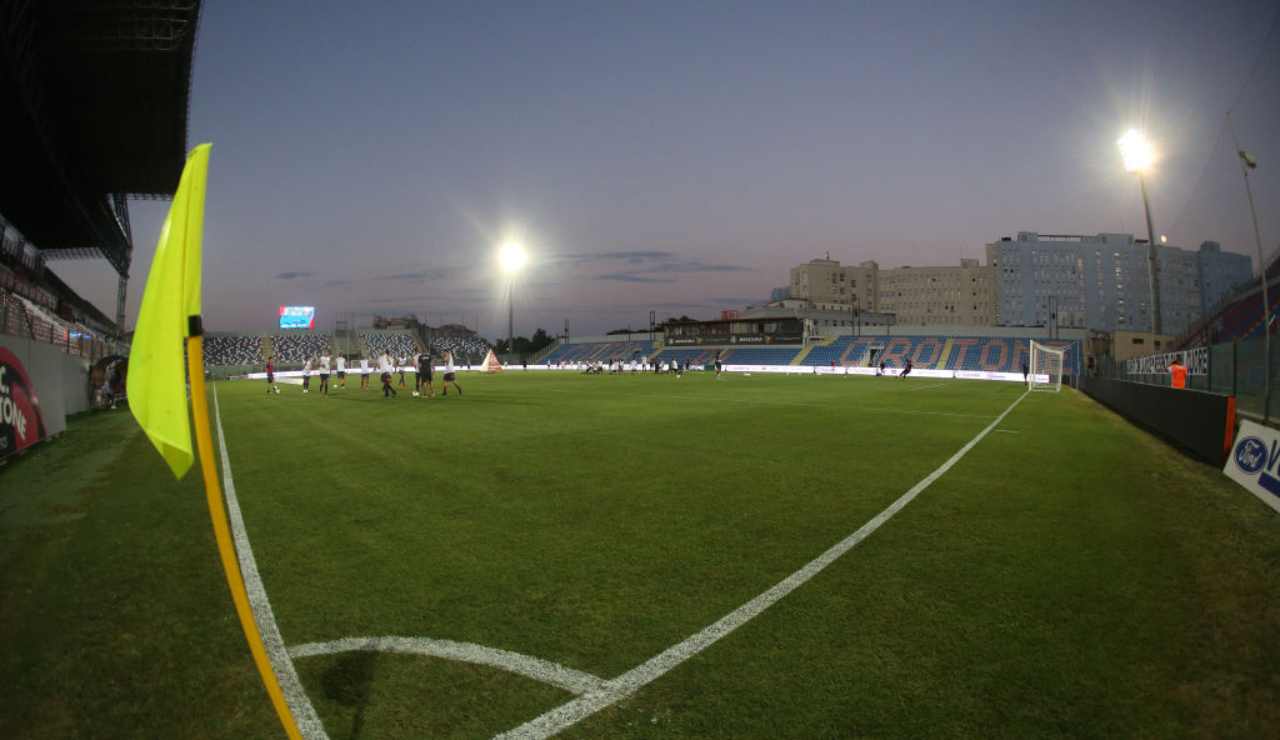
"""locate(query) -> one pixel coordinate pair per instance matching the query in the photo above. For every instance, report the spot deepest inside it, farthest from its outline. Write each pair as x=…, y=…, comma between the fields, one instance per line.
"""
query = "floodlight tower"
x=1139, y=155
x=511, y=260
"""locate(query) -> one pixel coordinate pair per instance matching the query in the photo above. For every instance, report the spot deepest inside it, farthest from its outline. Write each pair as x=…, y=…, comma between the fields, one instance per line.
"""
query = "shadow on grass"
x=349, y=682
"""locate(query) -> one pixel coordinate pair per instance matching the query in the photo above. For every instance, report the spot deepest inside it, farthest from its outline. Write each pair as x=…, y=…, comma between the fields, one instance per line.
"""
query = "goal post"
x=1045, y=368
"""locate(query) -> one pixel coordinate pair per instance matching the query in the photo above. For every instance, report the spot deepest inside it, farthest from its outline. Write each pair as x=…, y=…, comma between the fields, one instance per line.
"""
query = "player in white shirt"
x=306, y=376
x=450, y=375
x=384, y=367
x=325, y=363
x=342, y=370
x=364, y=373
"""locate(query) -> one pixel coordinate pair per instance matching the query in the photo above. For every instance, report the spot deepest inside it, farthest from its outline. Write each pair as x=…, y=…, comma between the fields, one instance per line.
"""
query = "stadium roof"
x=95, y=94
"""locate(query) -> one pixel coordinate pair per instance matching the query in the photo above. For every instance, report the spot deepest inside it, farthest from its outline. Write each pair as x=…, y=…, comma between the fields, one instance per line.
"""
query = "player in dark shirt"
x=271, y=377
x=719, y=365
x=1026, y=372
x=425, y=372
x=906, y=370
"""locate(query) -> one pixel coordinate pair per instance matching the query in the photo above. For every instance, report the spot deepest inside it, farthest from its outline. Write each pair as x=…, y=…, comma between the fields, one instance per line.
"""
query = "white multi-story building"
x=961, y=295
x=1101, y=281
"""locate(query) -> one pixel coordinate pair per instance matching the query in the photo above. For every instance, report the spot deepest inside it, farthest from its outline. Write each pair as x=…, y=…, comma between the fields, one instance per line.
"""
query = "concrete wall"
x=61, y=381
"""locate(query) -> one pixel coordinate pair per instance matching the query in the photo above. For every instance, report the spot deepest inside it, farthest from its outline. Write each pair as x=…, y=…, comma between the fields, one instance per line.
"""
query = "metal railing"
x=16, y=320
x=1231, y=368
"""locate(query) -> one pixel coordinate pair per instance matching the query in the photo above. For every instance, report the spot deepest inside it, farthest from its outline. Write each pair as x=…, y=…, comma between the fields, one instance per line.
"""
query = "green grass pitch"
x=1070, y=576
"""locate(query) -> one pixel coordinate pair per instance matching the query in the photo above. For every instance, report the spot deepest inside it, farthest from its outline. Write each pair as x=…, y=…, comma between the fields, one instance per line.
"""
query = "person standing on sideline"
x=271, y=377
x=341, y=360
x=450, y=375
x=1178, y=374
x=325, y=362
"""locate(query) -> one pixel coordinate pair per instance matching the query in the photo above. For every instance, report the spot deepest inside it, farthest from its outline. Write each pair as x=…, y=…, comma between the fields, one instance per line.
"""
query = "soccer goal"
x=1046, y=368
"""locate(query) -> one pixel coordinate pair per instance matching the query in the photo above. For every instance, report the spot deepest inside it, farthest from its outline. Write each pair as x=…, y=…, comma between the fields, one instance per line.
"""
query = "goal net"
x=1046, y=368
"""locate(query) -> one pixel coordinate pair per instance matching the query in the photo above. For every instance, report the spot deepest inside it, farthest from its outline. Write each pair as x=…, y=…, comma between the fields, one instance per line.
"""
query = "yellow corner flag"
x=157, y=383
x=157, y=386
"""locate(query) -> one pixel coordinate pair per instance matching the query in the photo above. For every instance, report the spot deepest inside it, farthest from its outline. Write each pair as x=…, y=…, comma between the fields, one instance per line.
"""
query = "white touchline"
x=573, y=681
x=308, y=721
x=570, y=713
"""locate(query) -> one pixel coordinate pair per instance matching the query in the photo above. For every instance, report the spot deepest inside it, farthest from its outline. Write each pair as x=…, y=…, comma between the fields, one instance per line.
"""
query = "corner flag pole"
x=158, y=383
x=218, y=513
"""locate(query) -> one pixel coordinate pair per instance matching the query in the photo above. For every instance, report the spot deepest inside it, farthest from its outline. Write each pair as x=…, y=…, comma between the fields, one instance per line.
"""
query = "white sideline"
x=616, y=689
x=573, y=681
x=294, y=694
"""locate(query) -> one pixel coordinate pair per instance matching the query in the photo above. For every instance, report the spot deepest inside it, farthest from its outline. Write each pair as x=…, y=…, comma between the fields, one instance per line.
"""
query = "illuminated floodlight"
x=512, y=257
x=1136, y=150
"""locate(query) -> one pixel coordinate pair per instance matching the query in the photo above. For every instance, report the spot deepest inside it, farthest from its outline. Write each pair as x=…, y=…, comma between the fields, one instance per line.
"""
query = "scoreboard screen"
x=297, y=317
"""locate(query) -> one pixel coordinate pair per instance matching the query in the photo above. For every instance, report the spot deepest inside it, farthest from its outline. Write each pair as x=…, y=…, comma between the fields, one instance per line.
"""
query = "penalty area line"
x=614, y=690
x=294, y=694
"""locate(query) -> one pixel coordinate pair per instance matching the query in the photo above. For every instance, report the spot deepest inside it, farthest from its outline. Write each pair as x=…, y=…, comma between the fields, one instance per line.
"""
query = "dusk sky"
x=367, y=158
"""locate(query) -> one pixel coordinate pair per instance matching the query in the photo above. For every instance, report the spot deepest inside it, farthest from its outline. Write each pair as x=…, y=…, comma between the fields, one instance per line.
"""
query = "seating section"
x=465, y=350
x=224, y=351
x=599, y=352
x=989, y=354
x=397, y=344
x=760, y=355
x=296, y=348
x=692, y=355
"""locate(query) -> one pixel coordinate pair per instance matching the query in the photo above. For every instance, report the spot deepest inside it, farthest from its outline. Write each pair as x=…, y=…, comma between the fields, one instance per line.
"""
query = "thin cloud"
x=293, y=275
x=695, y=266
x=337, y=283
x=630, y=277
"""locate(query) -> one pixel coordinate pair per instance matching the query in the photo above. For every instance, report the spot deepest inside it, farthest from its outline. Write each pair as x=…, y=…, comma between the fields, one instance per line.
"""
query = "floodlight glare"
x=1136, y=150
x=512, y=257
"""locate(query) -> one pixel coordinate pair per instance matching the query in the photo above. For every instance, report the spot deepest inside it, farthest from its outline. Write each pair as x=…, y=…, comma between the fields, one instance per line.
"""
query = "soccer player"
x=1178, y=374
x=425, y=371
x=306, y=376
x=384, y=368
x=325, y=362
x=271, y=377
x=364, y=373
x=880, y=370
x=719, y=365
x=342, y=371
x=450, y=375
x=1026, y=374
x=906, y=369
x=401, y=362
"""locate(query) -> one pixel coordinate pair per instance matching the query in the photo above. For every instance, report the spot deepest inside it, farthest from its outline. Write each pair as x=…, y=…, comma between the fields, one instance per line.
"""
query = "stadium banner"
x=1196, y=360
x=727, y=339
x=40, y=385
x=1254, y=462
x=21, y=424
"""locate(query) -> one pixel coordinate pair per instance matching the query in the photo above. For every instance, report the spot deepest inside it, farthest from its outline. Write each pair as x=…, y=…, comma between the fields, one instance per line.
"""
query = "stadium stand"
x=599, y=352
x=990, y=354
x=296, y=348
x=470, y=349
x=698, y=356
x=398, y=344
x=760, y=355
x=224, y=351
